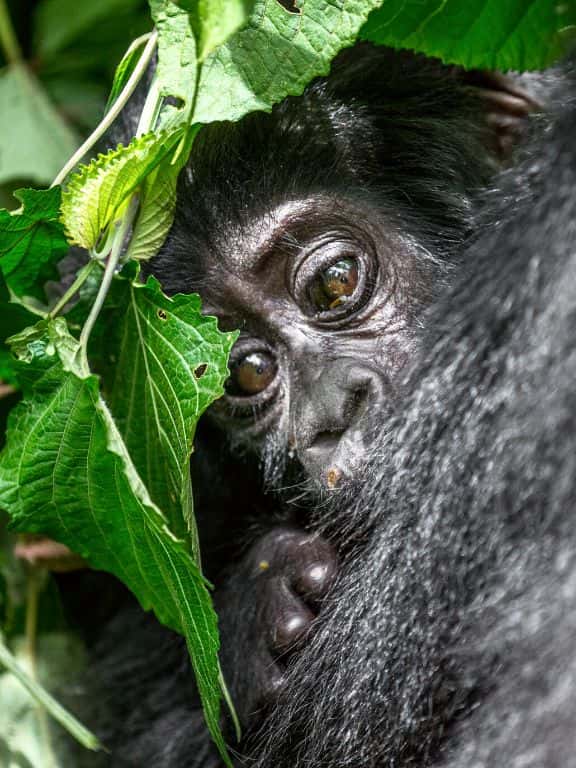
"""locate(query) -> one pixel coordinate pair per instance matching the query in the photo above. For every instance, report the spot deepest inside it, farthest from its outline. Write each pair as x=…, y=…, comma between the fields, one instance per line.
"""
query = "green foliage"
x=32, y=242
x=156, y=209
x=214, y=21
x=98, y=194
x=35, y=141
x=124, y=70
x=66, y=473
x=177, y=57
x=170, y=364
x=24, y=730
x=75, y=48
x=13, y=318
x=275, y=55
x=60, y=22
x=489, y=34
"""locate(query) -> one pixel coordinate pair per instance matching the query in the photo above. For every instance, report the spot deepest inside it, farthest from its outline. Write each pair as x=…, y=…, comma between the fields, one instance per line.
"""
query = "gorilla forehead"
x=246, y=249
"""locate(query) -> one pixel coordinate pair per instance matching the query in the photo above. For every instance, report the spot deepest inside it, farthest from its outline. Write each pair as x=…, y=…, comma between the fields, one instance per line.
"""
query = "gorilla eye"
x=334, y=285
x=251, y=374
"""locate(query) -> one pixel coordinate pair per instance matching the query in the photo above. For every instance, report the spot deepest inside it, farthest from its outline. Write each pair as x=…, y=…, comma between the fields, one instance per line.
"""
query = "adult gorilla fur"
x=450, y=637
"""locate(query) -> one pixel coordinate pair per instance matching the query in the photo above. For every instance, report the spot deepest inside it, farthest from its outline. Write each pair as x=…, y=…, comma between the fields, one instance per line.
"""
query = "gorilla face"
x=321, y=232
x=325, y=292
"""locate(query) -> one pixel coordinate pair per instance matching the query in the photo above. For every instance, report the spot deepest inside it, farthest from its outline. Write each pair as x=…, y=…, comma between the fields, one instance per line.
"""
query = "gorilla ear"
x=508, y=107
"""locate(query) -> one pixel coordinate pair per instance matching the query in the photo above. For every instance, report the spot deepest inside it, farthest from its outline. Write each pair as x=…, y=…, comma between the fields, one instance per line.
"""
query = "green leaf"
x=214, y=21
x=98, y=194
x=171, y=366
x=490, y=34
x=156, y=212
x=66, y=472
x=177, y=59
x=32, y=242
x=23, y=730
x=157, y=203
x=34, y=140
x=124, y=70
x=276, y=54
x=13, y=319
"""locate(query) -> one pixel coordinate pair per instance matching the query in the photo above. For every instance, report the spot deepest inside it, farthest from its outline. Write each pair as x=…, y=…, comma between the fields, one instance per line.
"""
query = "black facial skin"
x=323, y=232
x=306, y=370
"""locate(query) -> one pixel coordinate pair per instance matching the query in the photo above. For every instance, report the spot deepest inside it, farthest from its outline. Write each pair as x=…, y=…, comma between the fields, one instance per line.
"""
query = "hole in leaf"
x=174, y=101
x=290, y=6
x=162, y=315
x=200, y=370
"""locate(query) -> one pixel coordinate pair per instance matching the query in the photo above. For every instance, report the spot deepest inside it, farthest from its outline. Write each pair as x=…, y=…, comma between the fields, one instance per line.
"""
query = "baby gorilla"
x=322, y=231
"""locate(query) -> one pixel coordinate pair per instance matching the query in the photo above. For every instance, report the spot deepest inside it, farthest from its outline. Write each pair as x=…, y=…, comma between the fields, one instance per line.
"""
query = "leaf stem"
x=81, y=278
x=41, y=695
x=8, y=40
x=115, y=109
x=122, y=227
x=32, y=589
x=150, y=110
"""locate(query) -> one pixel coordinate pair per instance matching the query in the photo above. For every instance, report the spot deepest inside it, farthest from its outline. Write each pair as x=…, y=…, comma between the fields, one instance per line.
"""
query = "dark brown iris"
x=334, y=285
x=251, y=374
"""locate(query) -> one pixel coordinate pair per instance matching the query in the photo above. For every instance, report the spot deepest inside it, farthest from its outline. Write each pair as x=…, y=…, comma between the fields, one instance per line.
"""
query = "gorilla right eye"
x=251, y=374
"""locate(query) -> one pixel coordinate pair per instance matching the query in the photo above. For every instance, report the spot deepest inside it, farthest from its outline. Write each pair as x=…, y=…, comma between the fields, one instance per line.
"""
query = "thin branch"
x=8, y=40
x=115, y=109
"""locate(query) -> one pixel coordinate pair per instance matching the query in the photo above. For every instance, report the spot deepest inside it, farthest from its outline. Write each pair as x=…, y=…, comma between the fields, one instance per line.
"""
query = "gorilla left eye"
x=251, y=374
x=334, y=285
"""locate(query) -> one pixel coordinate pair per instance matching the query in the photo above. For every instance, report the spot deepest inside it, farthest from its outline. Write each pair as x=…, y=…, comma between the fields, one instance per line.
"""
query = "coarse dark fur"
x=406, y=138
x=449, y=639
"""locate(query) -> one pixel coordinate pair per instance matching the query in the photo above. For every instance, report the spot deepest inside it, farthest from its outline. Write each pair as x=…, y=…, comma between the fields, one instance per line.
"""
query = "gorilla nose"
x=332, y=426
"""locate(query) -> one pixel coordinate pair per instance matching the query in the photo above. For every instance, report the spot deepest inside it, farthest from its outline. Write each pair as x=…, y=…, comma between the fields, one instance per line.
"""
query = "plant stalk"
x=123, y=227
x=41, y=695
x=32, y=589
x=8, y=39
x=81, y=278
x=115, y=109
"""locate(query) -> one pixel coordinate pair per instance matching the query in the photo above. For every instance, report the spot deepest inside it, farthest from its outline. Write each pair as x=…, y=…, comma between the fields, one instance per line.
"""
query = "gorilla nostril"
x=327, y=441
x=358, y=402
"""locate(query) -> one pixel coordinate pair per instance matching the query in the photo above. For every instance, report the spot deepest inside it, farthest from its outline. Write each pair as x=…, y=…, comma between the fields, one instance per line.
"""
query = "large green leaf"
x=170, y=365
x=32, y=242
x=66, y=472
x=490, y=34
x=35, y=142
x=276, y=54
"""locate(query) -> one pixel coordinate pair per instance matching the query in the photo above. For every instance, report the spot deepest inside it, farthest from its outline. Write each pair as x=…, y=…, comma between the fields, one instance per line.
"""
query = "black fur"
x=449, y=640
